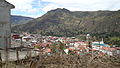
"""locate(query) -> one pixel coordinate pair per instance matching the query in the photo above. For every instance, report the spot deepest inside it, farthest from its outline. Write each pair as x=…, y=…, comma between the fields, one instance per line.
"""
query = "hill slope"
x=17, y=20
x=62, y=22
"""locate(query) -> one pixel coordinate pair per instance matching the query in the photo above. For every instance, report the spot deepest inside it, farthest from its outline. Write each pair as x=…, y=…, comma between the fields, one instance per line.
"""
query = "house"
x=16, y=36
x=27, y=38
x=108, y=50
x=100, y=43
x=5, y=28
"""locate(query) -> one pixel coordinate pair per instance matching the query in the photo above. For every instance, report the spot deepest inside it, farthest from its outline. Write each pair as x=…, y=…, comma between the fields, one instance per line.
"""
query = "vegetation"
x=17, y=20
x=67, y=61
x=115, y=40
x=62, y=22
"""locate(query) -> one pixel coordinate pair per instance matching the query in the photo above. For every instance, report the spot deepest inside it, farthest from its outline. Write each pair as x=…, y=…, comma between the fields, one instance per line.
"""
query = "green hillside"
x=18, y=20
x=68, y=23
x=62, y=22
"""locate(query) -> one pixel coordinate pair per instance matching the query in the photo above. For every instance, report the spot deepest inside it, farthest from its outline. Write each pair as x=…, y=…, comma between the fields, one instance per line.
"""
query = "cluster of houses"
x=44, y=43
x=70, y=44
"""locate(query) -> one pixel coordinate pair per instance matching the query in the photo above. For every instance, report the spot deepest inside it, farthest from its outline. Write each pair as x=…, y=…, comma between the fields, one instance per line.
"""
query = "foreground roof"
x=4, y=3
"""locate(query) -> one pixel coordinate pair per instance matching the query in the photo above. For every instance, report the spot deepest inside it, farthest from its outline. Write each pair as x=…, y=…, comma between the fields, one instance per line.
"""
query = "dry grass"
x=67, y=61
x=75, y=61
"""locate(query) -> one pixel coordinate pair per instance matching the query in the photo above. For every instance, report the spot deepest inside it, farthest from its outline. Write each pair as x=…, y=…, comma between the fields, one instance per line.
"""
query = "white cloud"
x=22, y=5
x=71, y=1
x=37, y=7
x=83, y=5
x=25, y=8
x=50, y=7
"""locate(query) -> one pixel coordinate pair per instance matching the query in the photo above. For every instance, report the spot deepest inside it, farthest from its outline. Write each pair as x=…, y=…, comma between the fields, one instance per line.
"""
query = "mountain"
x=62, y=22
x=17, y=20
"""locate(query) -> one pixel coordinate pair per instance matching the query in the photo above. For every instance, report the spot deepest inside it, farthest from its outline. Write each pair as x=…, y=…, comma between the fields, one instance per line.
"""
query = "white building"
x=5, y=28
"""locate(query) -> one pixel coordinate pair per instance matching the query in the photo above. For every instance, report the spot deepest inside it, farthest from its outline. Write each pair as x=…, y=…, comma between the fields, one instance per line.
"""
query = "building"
x=5, y=27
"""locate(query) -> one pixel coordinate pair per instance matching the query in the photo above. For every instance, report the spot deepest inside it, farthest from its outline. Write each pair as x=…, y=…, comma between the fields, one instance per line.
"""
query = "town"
x=34, y=50
x=69, y=45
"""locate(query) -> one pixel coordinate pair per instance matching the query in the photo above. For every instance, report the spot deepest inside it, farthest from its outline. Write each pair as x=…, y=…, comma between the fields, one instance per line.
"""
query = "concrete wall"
x=5, y=30
x=4, y=14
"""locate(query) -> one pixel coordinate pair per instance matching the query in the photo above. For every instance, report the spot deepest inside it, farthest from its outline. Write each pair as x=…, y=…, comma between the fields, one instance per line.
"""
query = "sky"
x=36, y=8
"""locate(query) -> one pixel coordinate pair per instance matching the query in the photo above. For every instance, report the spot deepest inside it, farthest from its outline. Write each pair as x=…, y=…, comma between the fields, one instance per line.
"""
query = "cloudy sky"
x=36, y=8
